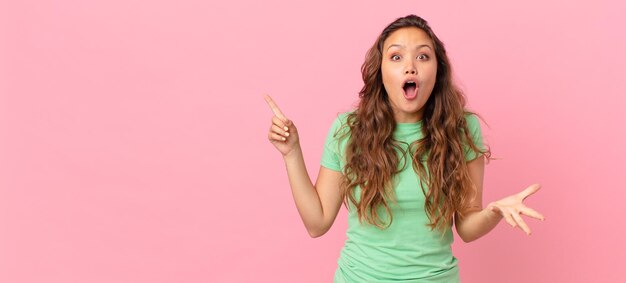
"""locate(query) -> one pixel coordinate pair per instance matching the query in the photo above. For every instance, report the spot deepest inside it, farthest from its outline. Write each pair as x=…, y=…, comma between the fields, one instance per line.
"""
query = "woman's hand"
x=283, y=133
x=511, y=207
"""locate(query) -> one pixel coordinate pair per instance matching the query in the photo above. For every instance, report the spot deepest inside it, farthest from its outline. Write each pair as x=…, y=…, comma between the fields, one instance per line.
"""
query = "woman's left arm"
x=478, y=221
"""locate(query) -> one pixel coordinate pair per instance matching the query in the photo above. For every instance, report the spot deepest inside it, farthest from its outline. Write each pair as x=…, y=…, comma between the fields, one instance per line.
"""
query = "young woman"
x=408, y=163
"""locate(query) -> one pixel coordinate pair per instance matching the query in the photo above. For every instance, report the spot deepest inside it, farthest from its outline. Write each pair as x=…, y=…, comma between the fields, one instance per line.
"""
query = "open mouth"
x=410, y=89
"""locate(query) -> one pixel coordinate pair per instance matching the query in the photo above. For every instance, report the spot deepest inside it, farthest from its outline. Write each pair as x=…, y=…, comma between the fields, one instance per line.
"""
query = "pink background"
x=133, y=134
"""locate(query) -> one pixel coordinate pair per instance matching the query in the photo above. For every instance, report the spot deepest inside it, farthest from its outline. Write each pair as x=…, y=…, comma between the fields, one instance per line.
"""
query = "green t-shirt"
x=407, y=250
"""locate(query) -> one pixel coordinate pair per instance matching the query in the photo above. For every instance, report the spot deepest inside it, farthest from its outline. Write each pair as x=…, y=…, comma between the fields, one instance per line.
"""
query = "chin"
x=414, y=107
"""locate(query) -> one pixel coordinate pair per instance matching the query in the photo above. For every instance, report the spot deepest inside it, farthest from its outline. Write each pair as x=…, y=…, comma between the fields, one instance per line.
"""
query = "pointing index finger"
x=274, y=107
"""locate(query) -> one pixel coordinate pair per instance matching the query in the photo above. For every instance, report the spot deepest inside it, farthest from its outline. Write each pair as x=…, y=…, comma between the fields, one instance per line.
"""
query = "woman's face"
x=409, y=72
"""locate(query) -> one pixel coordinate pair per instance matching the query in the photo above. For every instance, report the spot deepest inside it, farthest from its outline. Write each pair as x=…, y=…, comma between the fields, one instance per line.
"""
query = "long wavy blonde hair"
x=371, y=156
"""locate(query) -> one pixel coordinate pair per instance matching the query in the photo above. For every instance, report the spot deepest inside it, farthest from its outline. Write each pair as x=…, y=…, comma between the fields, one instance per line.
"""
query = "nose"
x=410, y=68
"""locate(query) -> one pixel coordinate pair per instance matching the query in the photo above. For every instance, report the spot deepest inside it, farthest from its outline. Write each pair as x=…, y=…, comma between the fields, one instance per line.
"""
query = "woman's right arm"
x=317, y=204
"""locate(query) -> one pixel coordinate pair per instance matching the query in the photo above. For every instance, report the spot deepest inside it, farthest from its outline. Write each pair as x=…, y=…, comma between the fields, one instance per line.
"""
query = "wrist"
x=293, y=153
x=491, y=212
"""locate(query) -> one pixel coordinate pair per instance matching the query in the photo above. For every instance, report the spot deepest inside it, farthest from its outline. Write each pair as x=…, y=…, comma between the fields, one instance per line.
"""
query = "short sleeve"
x=474, y=128
x=331, y=155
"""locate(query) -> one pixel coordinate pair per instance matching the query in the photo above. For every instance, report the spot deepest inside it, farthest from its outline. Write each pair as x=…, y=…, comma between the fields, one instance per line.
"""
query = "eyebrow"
x=402, y=46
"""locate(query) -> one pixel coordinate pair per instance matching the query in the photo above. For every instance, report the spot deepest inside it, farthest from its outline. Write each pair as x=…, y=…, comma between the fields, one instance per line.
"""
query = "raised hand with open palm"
x=512, y=206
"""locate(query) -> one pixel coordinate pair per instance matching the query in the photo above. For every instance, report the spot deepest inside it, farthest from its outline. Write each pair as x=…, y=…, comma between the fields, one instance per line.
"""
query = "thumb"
x=493, y=208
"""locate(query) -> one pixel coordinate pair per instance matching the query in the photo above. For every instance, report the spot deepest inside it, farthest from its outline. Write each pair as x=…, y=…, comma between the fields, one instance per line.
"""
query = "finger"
x=530, y=190
x=521, y=222
x=274, y=107
x=280, y=131
x=280, y=123
x=531, y=213
x=276, y=137
x=509, y=219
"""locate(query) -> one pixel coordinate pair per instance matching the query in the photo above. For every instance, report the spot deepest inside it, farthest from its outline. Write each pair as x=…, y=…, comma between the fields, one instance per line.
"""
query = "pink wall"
x=133, y=134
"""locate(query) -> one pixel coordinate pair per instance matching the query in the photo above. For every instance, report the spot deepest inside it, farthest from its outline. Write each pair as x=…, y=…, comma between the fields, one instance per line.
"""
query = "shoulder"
x=339, y=131
x=472, y=122
x=341, y=122
x=471, y=119
x=342, y=118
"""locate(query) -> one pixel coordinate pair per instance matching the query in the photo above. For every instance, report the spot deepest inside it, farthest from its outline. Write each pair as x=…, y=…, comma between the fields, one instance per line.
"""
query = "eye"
x=423, y=57
x=395, y=57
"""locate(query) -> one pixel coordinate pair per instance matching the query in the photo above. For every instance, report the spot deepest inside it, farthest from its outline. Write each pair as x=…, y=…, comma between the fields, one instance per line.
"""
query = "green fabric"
x=407, y=251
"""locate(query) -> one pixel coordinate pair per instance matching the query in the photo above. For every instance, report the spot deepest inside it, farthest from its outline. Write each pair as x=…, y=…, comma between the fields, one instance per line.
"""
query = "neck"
x=408, y=117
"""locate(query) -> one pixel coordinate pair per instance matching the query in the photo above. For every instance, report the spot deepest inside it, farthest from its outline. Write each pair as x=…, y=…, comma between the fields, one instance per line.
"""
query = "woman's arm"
x=318, y=205
x=479, y=221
